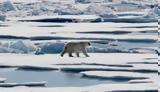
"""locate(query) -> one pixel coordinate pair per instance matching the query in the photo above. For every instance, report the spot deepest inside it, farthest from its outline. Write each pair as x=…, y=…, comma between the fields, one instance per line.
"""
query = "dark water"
x=53, y=78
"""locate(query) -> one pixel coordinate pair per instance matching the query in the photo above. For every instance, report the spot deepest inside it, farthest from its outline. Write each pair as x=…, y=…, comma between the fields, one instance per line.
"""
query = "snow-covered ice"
x=106, y=62
x=102, y=58
x=141, y=81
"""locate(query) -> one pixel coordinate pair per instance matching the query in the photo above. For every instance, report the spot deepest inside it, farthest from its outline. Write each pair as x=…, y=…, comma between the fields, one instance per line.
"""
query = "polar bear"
x=75, y=47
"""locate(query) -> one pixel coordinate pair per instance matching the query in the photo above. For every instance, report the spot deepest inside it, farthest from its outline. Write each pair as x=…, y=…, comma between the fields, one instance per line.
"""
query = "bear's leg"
x=85, y=53
x=77, y=54
x=63, y=52
x=70, y=54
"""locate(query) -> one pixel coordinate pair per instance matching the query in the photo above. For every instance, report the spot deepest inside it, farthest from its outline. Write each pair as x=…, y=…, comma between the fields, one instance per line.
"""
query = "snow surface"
x=29, y=59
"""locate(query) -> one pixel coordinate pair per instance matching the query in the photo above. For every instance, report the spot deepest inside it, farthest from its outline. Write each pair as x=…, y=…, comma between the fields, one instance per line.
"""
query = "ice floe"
x=141, y=81
x=61, y=18
x=102, y=58
x=18, y=47
x=114, y=75
x=106, y=62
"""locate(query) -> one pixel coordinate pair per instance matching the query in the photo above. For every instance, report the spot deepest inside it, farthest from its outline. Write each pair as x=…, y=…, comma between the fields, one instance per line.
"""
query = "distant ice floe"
x=7, y=6
x=23, y=46
x=17, y=47
x=101, y=10
x=144, y=50
x=152, y=13
x=50, y=47
x=62, y=18
x=142, y=2
x=157, y=10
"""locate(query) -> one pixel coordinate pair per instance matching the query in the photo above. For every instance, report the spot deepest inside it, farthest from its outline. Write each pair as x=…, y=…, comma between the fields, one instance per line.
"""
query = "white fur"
x=75, y=47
